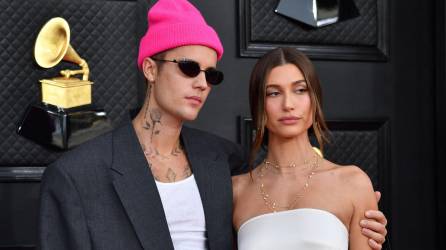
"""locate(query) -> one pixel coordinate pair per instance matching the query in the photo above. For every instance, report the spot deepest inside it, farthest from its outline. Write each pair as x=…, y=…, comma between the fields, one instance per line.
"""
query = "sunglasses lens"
x=192, y=69
x=189, y=68
x=214, y=76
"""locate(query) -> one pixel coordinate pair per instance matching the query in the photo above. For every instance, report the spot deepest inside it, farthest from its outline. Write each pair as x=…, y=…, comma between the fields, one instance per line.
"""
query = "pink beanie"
x=175, y=23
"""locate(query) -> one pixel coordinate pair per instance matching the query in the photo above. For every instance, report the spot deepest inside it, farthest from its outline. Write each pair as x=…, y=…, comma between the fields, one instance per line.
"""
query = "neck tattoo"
x=154, y=114
x=164, y=167
x=146, y=124
x=152, y=152
x=155, y=118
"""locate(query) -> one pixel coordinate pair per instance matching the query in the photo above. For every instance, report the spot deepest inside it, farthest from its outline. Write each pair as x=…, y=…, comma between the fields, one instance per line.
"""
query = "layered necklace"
x=269, y=202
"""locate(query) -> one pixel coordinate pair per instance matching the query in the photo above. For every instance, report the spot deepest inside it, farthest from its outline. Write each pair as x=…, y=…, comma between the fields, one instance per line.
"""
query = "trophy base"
x=51, y=126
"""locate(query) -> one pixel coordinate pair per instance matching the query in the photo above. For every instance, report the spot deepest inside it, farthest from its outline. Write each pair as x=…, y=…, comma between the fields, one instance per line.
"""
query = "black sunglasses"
x=192, y=69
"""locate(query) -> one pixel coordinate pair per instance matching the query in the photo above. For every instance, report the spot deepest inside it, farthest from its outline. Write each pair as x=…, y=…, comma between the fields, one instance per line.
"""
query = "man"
x=152, y=183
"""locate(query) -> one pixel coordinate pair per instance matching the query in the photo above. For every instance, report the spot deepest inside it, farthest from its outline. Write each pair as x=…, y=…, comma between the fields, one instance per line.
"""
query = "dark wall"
x=231, y=98
x=407, y=90
x=402, y=89
x=440, y=109
x=18, y=214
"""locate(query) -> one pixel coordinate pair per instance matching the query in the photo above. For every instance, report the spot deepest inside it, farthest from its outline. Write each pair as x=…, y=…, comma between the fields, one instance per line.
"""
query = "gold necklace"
x=277, y=166
x=272, y=204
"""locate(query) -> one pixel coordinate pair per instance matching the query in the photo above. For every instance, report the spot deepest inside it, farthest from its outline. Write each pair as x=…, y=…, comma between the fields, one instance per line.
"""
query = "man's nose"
x=200, y=81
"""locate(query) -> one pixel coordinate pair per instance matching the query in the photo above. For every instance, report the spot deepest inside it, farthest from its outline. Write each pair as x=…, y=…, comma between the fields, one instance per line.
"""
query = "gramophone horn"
x=53, y=44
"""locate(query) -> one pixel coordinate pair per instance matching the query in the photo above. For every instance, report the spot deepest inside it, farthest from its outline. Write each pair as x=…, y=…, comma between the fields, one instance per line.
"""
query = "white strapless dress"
x=298, y=229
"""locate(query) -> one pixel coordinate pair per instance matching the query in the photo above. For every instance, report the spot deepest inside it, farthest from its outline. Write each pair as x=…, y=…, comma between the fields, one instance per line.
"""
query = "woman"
x=296, y=199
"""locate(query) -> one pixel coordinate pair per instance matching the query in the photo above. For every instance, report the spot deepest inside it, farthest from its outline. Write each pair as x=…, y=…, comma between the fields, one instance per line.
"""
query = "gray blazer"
x=102, y=194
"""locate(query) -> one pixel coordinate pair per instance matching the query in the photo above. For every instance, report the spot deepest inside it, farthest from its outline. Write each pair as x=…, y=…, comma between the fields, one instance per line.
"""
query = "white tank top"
x=184, y=213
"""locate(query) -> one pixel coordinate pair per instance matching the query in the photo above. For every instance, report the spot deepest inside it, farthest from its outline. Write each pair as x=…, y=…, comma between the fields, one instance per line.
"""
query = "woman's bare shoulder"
x=355, y=181
x=350, y=176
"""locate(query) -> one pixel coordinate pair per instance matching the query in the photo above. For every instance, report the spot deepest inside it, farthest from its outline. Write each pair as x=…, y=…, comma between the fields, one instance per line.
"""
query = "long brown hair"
x=257, y=93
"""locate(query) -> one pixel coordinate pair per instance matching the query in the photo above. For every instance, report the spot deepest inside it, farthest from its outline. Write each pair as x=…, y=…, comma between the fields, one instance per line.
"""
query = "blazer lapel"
x=204, y=164
x=137, y=190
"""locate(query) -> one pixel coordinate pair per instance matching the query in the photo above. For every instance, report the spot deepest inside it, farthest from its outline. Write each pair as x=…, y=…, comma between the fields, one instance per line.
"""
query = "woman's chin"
x=288, y=133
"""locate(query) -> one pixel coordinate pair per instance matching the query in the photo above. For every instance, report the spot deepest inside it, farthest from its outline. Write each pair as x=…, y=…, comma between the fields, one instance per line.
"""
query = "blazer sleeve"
x=62, y=223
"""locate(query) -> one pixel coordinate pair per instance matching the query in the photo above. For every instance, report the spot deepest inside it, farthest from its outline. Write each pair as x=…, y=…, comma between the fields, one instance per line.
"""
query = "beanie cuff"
x=168, y=37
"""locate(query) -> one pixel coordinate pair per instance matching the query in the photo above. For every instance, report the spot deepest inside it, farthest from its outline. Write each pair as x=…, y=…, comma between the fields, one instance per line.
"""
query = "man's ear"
x=149, y=69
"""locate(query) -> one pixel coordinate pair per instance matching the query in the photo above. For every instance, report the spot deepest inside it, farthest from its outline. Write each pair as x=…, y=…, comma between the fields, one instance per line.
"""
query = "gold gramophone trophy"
x=65, y=118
